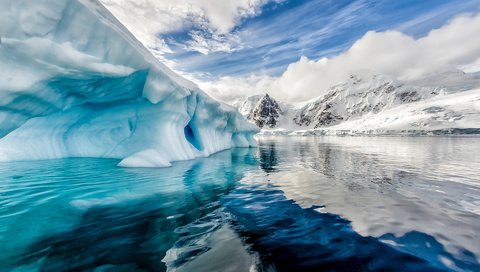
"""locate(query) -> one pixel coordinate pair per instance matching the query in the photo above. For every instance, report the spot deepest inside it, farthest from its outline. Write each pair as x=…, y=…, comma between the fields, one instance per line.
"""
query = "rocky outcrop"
x=266, y=113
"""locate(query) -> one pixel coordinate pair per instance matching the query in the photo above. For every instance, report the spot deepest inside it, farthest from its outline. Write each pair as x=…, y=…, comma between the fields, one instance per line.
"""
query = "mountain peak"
x=266, y=112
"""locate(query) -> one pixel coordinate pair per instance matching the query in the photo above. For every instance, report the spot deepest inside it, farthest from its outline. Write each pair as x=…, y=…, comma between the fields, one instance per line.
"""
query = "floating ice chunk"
x=145, y=158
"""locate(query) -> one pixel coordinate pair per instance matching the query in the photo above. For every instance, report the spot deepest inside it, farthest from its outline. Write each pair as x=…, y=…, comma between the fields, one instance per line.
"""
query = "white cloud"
x=212, y=42
x=230, y=88
x=223, y=15
x=455, y=45
x=471, y=67
x=149, y=19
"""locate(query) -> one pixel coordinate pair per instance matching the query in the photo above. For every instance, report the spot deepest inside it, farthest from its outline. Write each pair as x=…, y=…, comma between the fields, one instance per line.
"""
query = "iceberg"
x=75, y=83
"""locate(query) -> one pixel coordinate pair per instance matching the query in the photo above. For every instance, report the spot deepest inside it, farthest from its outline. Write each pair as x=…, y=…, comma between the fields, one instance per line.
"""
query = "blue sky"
x=297, y=49
x=283, y=32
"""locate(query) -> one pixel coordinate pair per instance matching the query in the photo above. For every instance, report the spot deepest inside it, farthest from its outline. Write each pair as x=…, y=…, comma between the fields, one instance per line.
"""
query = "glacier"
x=76, y=83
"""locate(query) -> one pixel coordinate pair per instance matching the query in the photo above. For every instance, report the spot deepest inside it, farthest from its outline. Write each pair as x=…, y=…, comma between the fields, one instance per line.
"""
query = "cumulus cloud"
x=230, y=88
x=149, y=19
x=455, y=45
x=205, y=42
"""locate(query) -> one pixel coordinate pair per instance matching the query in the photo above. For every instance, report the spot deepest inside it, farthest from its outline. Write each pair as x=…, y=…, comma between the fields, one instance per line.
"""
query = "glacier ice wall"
x=75, y=83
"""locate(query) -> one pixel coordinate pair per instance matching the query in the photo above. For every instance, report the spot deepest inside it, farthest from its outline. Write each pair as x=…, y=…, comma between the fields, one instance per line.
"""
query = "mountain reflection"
x=290, y=238
x=292, y=204
x=268, y=157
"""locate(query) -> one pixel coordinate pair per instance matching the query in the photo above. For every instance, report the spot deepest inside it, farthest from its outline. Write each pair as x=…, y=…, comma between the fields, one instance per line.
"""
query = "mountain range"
x=372, y=103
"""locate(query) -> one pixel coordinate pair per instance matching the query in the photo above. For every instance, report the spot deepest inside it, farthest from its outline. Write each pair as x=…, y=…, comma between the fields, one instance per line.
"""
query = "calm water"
x=292, y=204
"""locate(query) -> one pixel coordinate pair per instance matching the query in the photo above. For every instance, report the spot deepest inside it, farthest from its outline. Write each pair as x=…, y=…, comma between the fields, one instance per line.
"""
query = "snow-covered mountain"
x=361, y=98
x=267, y=112
x=247, y=106
x=262, y=110
x=357, y=97
x=76, y=83
x=450, y=113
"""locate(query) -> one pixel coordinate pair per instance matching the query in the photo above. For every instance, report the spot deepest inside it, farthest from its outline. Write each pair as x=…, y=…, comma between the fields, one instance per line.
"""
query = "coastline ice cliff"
x=75, y=83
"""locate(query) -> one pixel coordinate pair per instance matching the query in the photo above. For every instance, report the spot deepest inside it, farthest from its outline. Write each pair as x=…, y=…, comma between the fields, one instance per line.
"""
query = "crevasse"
x=75, y=83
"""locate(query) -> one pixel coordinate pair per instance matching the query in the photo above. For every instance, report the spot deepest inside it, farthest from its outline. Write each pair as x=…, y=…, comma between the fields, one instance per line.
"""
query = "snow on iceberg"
x=75, y=83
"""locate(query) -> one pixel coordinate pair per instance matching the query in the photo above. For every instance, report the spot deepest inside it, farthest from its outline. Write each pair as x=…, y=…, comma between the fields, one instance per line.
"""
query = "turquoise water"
x=292, y=204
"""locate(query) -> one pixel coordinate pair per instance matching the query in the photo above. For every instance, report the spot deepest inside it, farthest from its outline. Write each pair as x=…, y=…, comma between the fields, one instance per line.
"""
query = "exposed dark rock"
x=267, y=112
x=409, y=96
x=327, y=118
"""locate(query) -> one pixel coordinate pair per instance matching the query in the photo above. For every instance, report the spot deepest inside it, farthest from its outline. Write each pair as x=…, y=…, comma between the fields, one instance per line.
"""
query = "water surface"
x=292, y=204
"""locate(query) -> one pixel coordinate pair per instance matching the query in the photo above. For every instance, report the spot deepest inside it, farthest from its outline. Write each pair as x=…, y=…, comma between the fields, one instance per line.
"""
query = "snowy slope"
x=363, y=101
x=358, y=96
x=458, y=110
x=76, y=83
x=247, y=106
x=456, y=113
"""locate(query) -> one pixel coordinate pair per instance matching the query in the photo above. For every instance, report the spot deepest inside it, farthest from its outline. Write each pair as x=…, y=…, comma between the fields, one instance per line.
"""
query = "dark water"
x=292, y=204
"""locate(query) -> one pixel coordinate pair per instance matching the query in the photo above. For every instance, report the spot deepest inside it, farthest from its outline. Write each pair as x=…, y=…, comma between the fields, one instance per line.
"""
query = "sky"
x=296, y=49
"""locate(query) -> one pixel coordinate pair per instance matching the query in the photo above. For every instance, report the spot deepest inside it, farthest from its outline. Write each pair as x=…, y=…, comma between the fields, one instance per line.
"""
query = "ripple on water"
x=311, y=203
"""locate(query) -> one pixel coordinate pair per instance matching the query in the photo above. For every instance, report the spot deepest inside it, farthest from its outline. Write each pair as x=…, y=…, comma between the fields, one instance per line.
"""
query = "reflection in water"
x=293, y=204
x=134, y=233
x=391, y=188
x=296, y=239
x=267, y=157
